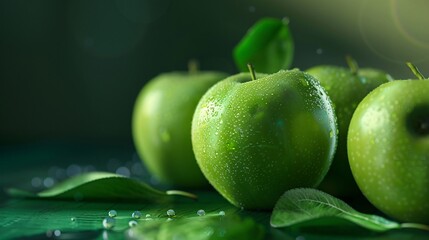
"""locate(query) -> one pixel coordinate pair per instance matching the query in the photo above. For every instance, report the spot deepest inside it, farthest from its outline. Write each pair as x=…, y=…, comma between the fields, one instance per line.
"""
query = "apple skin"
x=254, y=140
x=161, y=126
x=346, y=90
x=372, y=78
x=388, y=149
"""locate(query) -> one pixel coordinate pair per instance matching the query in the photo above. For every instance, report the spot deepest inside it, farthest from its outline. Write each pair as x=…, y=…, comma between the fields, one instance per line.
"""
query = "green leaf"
x=212, y=226
x=268, y=45
x=97, y=186
x=304, y=206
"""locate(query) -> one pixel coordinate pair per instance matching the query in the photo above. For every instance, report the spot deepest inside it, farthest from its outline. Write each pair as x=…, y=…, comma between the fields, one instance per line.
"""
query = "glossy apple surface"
x=388, y=147
x=161, y=125
x=346, y=89
x=255, y=139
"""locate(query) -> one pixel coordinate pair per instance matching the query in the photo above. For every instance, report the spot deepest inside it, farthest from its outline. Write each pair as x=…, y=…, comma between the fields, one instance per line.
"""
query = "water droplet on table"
x=109, y=223
x=201, y=212
x=36, y=182
x=48, y=182
x=57, y=233
x=132, y=223
x=113, y=213
x=136, y=214
x=171, y=212
x=124, y=171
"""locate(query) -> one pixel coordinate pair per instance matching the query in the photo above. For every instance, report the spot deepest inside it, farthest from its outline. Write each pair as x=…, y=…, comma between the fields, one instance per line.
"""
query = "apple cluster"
x=253, y=136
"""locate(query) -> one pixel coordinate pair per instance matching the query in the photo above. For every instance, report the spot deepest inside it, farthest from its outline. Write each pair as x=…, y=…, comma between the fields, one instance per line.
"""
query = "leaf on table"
x=268, y=45
x=211, y=226
x=97, y=186
x=299, y=206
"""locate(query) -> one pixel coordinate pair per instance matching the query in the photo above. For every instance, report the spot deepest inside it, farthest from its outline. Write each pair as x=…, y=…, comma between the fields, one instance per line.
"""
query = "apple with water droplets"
x=388, y=148
x=255, y=136
x=346, y=88
x=161, y=125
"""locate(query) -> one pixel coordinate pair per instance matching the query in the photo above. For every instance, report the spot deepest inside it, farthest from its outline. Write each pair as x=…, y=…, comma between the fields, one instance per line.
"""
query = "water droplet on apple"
x=304, y=81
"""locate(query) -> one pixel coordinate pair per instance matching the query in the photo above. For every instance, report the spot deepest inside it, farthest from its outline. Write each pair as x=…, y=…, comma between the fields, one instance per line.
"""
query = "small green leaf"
x=303, y=206
x=98, y=186
x=210, y=226
x=268, y=45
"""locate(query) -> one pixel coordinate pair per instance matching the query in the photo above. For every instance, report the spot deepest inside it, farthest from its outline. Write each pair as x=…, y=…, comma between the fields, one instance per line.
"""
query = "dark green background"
x=71, y=70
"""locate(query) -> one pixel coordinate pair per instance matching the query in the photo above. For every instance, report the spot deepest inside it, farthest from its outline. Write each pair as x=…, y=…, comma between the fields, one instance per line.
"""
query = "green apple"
x=161, y=125
x=346, y=88
x=388, y=147
x=372, y=78
x=256, y=138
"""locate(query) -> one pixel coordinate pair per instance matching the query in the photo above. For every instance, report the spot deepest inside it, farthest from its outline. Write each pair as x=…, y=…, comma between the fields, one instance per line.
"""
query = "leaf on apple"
x=304, y=206
x=99, y=186
x=268, y=45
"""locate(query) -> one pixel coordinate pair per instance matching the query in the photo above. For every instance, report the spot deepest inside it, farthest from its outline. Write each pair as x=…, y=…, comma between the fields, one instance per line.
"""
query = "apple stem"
x=415, y=226
x=252, y=71
x=352, y=64
x=193, y=66
x=415, y=70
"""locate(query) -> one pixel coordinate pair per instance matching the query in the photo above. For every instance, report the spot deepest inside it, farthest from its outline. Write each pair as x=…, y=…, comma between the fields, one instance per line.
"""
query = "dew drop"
x=171, y=212
x=105, y=235
x=124, y=171
x=201, y=212
x=36, y=182
x=304, y=82
x=109, y=223
x=73, y=219
x=148, y=215
x=113, y=213
x=221, y=213
x=73, y=170
x=169, y=219
x=319, y=51
x=132, y=223
x=136, y=214
x=48, y=182
x=331, y=134
x=57, y=233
